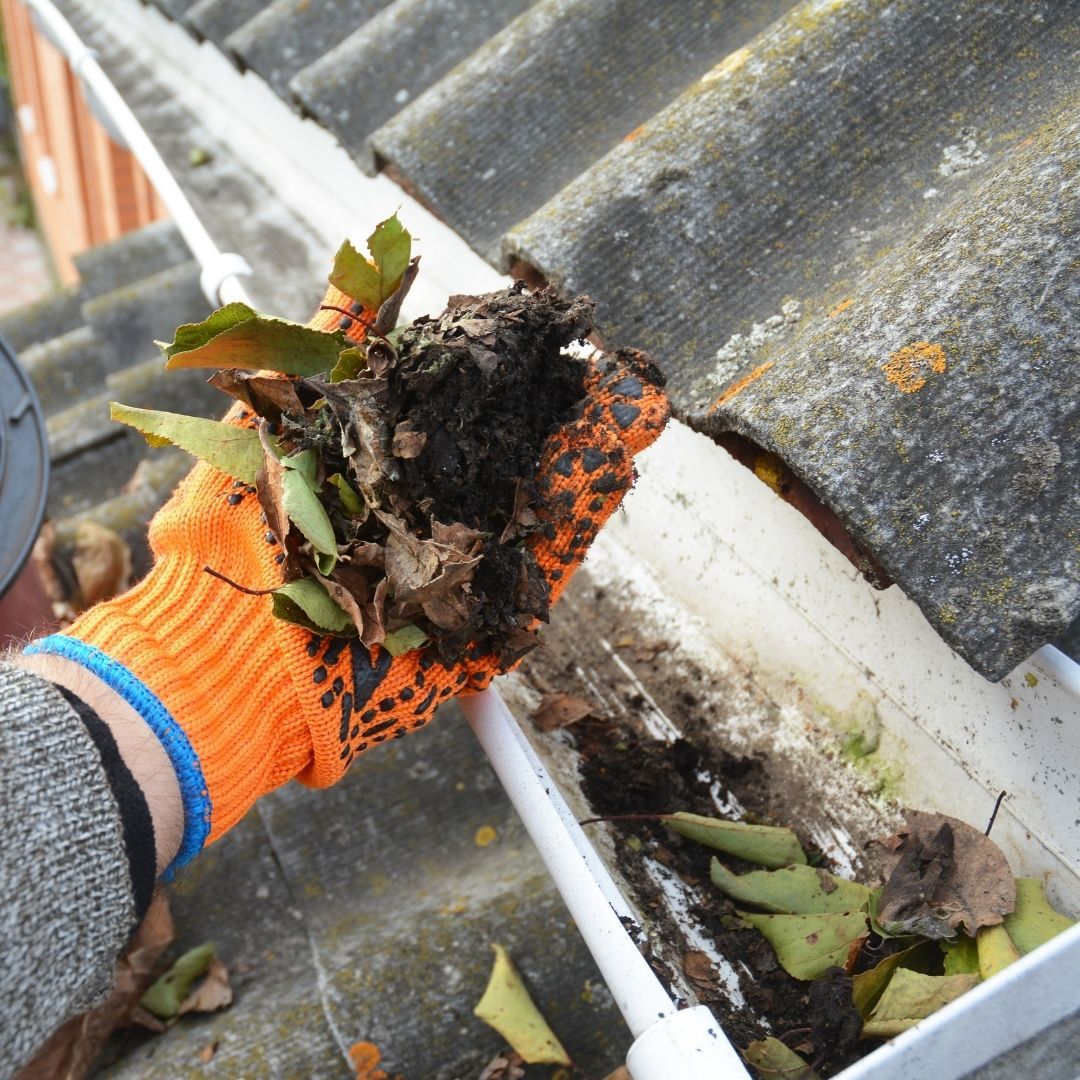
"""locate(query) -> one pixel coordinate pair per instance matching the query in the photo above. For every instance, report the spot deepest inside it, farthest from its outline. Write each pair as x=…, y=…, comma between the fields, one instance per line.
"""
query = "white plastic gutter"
x=221, y=271
x=668, y=1042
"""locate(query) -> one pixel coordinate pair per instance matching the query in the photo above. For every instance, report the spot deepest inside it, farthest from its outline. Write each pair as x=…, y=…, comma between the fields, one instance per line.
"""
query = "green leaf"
x=996, y=950
x=1034, y=922
x=164, y=997
x=325, y=563
x=762, y=844
x=794, y=890
x=351, y=503
x=307, y=603
x=774, y=1060
x=306, y=512
x=236, y=336
x=404, y=640
x=961, y=955
x=807, y=945
x=234, y=450
x=868, y=986
x=350, y=363
x=911, y=997
x=390, y=246
x=507, y=1007
x=306, y=463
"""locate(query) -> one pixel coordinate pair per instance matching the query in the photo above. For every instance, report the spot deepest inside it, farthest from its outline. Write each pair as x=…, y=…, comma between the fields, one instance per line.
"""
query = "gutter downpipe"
x=668, y=1041
x=221, y=271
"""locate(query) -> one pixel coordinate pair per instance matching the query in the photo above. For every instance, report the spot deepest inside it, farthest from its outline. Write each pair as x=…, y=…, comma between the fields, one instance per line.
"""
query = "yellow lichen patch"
x=769, y=469
x=484, y=835
x=841, y=307
x=907, y=368
x=738, y=387
x=632, y=135
x=1031, y=679
x=728, y=66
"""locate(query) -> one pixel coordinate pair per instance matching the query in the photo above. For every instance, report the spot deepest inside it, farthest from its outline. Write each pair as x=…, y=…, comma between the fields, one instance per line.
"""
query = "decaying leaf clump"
x=398, y=473
x=428, y=464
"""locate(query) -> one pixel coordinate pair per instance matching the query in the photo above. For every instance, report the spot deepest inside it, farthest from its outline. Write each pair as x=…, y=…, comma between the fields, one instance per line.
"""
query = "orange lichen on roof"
x=738, y=387
x=906, y=368
x=841, y=307
x=632, y=135
x=365, y=1057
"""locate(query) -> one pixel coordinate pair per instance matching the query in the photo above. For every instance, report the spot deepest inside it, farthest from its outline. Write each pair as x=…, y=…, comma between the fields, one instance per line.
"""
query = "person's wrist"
x=137, y=744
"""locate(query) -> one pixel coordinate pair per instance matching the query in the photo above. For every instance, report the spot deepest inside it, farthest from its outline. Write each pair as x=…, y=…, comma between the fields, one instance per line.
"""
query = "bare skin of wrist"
x=138, y=745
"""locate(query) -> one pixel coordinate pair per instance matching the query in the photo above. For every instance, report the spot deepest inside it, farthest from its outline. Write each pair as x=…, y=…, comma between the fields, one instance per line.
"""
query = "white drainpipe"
x=221, y=271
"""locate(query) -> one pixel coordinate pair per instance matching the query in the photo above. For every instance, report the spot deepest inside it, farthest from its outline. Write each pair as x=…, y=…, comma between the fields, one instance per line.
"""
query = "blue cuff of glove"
x=144, y=701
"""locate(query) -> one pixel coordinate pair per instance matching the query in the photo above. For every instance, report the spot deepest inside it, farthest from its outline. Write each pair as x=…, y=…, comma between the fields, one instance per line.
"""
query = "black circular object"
x=24, y=466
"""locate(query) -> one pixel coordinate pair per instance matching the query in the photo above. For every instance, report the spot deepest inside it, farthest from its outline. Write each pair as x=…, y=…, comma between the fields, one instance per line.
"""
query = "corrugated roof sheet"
x=723, y=178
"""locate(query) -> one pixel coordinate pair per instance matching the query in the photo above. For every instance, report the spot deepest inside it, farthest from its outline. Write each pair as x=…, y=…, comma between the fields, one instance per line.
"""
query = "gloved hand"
x=243, y=701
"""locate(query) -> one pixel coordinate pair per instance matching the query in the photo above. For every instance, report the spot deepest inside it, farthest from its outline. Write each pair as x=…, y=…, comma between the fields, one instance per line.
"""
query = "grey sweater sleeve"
x=67, y=906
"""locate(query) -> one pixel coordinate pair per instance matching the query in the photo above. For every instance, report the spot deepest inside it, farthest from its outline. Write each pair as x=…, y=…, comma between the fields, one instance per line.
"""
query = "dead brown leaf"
x=268, y=395
x=621, y=1073
x=508, y=1065
x=213, y=991
x=73, y=1048
x=44, y=559
x=698, y=967
x=945, y=875
x=408, y=442
x=102, y=563
x=206, y=1054
x=269, y=485
x=561, y=710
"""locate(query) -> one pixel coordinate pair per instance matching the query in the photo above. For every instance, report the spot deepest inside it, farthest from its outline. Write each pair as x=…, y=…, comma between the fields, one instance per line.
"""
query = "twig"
x=997, y=806
x=356, y=318
x=626, y=817
x=235, y=585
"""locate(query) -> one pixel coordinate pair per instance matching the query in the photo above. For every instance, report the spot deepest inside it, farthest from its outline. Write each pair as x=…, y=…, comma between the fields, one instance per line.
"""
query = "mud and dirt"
x=669, y=733
x=438, y=433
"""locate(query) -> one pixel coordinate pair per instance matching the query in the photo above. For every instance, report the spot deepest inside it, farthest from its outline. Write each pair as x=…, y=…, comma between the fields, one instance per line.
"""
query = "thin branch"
x=997, y=806
x=235, y=585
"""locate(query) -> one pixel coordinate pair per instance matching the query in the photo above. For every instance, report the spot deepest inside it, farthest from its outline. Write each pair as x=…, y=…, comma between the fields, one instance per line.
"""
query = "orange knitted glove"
x=243, y=701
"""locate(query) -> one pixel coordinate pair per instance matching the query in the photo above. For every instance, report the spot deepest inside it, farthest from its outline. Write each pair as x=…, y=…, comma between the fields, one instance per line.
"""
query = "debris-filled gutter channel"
x=914, y=700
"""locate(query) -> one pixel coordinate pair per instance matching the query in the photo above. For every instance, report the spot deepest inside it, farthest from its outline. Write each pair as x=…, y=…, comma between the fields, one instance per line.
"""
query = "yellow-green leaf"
x=308, y=604
x=766, y=845
x=350, y=363
x=390, y=245
x=374, y=281
x=351, y=503
x=911, y=997
x=793, y=890
x=507, y=1007
x=774, y=1060
x=236, y=336
x=1034, y=922
x=808, y=945
x=868, y=986
x=404, y=640
x=164, y=996
x=961, y=955
x=234, y=450
x=306, y=463
x=996, y=950
x=306, y=512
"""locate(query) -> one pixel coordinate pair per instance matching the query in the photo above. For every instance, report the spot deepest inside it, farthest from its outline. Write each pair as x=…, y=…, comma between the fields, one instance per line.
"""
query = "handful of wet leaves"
x=399, y=473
